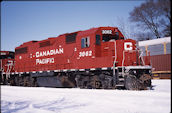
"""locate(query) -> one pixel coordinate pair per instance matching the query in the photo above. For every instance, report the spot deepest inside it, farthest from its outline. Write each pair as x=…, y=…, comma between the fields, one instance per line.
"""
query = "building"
x=160, y=55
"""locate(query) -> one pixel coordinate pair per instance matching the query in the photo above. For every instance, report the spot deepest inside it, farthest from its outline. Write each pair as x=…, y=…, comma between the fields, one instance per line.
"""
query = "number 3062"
x=85, y=53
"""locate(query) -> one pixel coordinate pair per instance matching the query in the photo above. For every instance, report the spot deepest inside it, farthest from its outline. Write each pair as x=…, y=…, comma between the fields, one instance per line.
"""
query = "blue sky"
x=38, y=20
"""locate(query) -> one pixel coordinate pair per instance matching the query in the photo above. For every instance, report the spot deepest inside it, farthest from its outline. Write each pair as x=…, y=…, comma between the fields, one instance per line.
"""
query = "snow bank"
x=59, y=100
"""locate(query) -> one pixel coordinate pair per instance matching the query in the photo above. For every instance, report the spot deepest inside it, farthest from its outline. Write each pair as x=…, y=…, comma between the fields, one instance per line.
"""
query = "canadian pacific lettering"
x=47, y=53
x=44, y=61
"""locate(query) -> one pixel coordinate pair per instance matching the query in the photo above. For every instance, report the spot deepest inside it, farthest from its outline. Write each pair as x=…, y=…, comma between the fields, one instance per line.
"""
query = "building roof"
x=155, y=41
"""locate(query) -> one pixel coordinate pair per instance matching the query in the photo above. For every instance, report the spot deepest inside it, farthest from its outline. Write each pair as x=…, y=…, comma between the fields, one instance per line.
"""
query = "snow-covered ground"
x=59, y=100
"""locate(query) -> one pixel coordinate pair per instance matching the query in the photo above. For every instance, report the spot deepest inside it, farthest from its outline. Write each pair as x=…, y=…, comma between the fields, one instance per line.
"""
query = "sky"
x=23, y=21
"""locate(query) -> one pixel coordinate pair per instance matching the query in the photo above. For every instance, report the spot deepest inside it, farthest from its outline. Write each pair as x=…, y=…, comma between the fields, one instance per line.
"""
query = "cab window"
x=107, y=37
x=21, y=50
x=97, y=39
x=85, y=42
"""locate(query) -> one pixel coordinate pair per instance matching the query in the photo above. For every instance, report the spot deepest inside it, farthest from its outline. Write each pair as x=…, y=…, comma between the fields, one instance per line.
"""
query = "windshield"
x=10, y=55
x=107, y=37
x=6, y=57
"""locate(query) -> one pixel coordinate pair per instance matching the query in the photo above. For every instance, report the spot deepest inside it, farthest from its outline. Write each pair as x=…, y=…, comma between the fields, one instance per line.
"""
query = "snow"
x=65, y=100
x=155, y=41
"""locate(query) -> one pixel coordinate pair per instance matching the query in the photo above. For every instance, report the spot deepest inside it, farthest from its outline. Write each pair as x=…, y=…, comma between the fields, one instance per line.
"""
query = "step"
x=120, y=85
x=121, y=79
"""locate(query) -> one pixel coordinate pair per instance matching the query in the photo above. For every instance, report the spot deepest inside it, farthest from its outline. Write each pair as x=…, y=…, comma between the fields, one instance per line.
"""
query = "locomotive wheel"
x=146, y=80
x=12, y=82
x=132, y=83
x=66, y=82
x=35, y=83
x=26, y=81
x=95, y=82
x=148, y=83
x=29, y=81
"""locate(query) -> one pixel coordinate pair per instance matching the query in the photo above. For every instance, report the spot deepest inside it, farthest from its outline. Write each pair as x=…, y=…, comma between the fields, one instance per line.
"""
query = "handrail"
x=115, y=58
x=9, y=68
x=140, y=56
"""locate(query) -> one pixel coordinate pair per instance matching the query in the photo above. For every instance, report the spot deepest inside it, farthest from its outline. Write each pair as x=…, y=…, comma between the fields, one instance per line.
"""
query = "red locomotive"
x=7, y=65
x=95, y=58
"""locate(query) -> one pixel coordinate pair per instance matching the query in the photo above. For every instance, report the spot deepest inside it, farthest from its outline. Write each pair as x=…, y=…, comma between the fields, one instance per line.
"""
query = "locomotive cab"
x=103, y=40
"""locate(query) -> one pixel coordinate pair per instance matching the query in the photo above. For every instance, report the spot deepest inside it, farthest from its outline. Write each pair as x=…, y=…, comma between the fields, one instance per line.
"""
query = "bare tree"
x=140, y=36
x=165, y=8
x=124, y=27
x=150, y=16
x=130, y=31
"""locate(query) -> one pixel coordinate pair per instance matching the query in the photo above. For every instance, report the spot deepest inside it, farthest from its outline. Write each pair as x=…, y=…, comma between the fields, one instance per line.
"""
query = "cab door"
x=97, y=46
